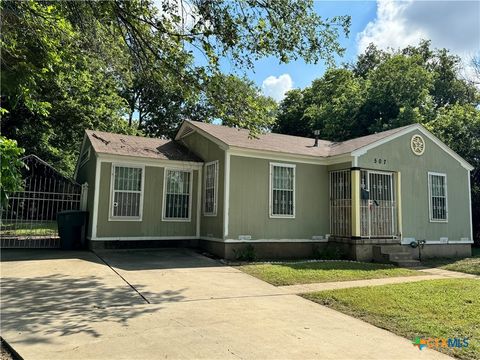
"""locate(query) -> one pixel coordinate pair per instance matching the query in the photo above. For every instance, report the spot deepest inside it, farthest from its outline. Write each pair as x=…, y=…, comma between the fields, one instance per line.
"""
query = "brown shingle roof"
x=266, y=142
x=118, y=144
x=348, y=146
x=286, y=143
x=155, y=148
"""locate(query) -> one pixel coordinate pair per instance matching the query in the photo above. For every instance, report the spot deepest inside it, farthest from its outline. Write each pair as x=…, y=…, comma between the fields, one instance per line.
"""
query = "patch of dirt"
x=5, y=353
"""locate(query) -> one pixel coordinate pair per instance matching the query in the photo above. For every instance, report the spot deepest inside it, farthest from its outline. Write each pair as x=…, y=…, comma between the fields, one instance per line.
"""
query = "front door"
x=377, y=204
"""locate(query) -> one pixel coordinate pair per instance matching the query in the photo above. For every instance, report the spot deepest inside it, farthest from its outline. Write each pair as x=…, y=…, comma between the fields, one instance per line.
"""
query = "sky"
x=454, y=25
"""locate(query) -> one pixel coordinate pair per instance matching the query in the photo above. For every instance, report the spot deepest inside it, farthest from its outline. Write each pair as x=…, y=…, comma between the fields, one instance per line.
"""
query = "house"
x=217, y=188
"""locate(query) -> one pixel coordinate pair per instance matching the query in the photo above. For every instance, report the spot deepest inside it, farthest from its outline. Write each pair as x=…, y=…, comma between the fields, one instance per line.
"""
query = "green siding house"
x=216, y=188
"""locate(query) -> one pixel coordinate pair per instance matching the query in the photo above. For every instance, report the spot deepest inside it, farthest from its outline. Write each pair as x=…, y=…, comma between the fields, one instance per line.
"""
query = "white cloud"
x=276, y=87
x=454, y=25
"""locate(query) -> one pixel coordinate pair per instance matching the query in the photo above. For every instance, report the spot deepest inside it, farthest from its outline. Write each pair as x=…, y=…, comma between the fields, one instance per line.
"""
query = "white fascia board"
x=278, y=156
x=193, y=237
x=272, y=241
x=445, y=148
x=470, y=206
x=180, y=131
x=96, y=195
x=237, y=241
x=199, y=201
x=150, y=162
x=363, y=150
x=212, y=138
x=139, y=238
x=226, y=193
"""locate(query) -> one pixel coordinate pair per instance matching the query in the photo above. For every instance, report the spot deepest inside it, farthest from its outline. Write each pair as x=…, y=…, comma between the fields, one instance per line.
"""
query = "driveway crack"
x=121, y=277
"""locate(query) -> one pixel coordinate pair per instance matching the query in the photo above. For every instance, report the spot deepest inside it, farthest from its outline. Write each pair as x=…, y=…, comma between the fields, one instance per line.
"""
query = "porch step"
x=400, y=256
x=394, y=254
x=407, y=263
x=387, y=249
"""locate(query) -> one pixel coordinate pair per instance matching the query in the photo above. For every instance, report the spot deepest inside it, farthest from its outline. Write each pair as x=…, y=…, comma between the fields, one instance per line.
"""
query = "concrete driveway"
x=160, y=304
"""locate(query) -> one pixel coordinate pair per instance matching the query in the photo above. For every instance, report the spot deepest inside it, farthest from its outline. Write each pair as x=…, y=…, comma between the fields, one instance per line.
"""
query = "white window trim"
x=112, y=180
x=270, y=188
x=215, y=204
x=430, y=210
x=164, y=197
x=88, y=151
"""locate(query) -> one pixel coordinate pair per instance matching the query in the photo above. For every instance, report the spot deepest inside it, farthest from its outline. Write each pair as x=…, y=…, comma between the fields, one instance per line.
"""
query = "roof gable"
x=139, y=146
x=232, y=138
x=240, y=138
x=227, y=137
x=425, y=132
x=38, y=167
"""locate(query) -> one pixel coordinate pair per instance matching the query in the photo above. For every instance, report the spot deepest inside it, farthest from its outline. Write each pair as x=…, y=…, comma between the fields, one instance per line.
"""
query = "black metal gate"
x=29, y=220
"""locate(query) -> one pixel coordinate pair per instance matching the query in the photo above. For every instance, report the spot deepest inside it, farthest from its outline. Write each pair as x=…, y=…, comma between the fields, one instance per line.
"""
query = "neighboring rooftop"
x=118, y=144
x=287, y=143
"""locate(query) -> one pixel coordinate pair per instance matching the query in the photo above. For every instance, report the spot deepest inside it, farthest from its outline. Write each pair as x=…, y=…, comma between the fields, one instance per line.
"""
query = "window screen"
x=127, y=191
x=438, y=196
x=282, y=180
x=211, y=181
x=177, y=194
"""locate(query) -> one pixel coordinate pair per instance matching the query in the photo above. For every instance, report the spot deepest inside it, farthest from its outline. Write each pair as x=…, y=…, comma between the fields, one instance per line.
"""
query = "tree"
x=11, y=164
x=128, y=66
x=56, y=84
x=237, y=102
x=334, y=102
x=388, y=89
x=290, y=119
x=331, y=105
x=398, y=93
x=244, y=30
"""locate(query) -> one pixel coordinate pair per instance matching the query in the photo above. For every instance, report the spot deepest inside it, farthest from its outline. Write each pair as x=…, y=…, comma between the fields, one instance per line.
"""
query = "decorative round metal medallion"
x=417, y=144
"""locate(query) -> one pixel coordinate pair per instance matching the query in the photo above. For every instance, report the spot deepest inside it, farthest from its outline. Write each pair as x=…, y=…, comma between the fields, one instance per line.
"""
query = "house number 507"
x=379, y=161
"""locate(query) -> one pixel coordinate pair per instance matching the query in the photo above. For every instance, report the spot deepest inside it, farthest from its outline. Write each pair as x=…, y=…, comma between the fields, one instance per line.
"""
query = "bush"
x=11, y=177
x=247, y=253
x=330, y=253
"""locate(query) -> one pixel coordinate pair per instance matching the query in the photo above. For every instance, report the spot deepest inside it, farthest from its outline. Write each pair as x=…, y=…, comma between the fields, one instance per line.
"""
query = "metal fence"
x=340, y=203
x=31, y=214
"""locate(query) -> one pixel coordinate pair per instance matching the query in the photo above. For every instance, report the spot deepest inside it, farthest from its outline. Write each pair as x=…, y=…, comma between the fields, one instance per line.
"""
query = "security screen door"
x=377, y=205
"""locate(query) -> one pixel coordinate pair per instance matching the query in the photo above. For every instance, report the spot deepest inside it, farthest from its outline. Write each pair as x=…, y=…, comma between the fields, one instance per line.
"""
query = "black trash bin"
x=72, y=227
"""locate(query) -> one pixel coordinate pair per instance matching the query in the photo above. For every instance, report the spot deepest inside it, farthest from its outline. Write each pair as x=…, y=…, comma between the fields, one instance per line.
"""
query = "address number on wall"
x=380, y=161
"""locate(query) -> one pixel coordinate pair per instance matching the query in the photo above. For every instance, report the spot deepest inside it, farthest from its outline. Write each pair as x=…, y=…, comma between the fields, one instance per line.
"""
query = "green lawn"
x=434, y=308
x=468, y=265
x=323, y=271
x=34, y=228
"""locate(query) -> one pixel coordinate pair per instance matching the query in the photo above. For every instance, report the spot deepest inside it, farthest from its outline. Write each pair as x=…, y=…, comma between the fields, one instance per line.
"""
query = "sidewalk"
x=430, y=274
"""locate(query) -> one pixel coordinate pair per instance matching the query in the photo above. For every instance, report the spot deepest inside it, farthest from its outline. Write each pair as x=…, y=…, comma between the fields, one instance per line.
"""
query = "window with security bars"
x=438, y=196
x=177, y=195
x=127, y=192
x=211, y=183
x=282, y=190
